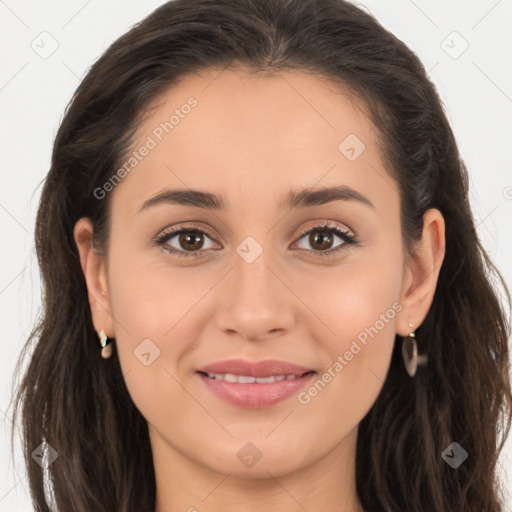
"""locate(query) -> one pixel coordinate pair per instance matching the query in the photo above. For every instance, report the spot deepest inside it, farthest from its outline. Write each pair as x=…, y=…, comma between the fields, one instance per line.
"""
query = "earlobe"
x=421, y=272
x=94, y=270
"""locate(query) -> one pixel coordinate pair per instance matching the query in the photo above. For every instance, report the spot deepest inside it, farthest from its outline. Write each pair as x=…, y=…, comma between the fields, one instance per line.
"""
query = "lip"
x=265, y=368
x=255, y=395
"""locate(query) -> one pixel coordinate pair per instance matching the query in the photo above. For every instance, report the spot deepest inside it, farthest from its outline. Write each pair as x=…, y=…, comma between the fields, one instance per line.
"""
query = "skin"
x=253, y=139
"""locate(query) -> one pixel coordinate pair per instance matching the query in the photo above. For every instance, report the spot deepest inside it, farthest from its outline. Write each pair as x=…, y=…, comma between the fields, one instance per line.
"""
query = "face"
x=320, y=284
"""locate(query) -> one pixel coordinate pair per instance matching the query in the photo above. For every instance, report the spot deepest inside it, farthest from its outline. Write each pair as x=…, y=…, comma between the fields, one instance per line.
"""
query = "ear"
x=95, y=273
x=421, y=271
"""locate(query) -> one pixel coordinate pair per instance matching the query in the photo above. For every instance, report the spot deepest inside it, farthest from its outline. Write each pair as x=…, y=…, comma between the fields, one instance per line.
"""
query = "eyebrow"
x=294, y=199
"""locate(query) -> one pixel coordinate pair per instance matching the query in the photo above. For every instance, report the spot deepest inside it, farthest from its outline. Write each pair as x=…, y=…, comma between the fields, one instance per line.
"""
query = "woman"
x=259, y=210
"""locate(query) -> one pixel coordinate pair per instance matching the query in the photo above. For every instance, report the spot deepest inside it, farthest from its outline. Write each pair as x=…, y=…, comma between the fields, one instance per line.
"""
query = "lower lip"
x=255, y=395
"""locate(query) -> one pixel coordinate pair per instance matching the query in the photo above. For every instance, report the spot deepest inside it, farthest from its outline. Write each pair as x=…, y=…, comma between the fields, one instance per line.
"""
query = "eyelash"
x=348, y=239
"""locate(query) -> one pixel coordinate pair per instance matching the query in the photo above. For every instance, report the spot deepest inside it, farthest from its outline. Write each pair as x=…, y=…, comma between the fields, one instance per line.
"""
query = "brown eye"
x=321, y=240
x=191, y=242
x=185, y=242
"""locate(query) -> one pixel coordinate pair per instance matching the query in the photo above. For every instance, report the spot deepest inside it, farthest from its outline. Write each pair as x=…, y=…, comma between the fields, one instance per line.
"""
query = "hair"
x=79, y=404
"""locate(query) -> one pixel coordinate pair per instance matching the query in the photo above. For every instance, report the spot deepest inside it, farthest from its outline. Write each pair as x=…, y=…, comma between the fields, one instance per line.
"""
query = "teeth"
x=247, y=379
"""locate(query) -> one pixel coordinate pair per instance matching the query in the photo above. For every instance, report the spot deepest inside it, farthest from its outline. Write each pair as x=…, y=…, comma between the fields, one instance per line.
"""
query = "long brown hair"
x=79, y=404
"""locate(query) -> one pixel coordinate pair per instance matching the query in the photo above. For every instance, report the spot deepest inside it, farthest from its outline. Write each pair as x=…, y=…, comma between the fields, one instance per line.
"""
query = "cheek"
x=153, y=309
x=351, y=299
x=357, y=307
x=150, y=294
x=156, y=311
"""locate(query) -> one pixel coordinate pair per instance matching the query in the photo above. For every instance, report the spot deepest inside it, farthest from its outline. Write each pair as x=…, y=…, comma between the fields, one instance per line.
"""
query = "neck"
x=186, y=485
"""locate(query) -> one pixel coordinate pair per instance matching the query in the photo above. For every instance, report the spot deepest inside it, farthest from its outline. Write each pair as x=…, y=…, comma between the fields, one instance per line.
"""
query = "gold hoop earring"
x=410, y=354
x=106, y=344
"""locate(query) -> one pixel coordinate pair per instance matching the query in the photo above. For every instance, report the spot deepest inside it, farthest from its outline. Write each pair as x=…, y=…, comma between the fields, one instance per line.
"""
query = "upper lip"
x=266, y=368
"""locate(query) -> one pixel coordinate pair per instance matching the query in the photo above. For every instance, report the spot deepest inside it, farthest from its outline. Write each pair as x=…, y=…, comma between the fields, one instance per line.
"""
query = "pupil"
x=187, y=240
x=322, y=236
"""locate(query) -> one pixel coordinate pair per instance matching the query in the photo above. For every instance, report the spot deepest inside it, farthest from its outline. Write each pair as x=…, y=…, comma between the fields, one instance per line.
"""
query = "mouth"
x=266, y=368
x=251, y=379
x=250, y=392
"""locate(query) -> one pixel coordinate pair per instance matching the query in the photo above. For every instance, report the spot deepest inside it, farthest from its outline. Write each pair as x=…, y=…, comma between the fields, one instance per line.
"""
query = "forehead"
x=238, y=133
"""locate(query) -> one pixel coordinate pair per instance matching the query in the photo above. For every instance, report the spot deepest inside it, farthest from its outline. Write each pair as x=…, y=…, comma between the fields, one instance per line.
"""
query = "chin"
x=255, y=460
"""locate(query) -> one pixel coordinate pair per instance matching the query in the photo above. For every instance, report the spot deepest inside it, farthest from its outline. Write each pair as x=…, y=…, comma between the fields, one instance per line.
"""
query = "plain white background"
x=46, y=47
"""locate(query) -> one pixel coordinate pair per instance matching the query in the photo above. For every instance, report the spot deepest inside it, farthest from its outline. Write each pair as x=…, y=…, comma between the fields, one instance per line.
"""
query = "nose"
x=255, y=303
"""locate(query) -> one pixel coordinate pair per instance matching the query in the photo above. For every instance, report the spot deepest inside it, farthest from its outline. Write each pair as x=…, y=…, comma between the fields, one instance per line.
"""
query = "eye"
x=321, y=237
x=190, y=240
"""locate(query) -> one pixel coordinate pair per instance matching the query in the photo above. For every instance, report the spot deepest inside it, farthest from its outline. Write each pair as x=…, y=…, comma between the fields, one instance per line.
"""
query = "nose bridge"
x=256, y=257
x=256, y=301
x=253, y=278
